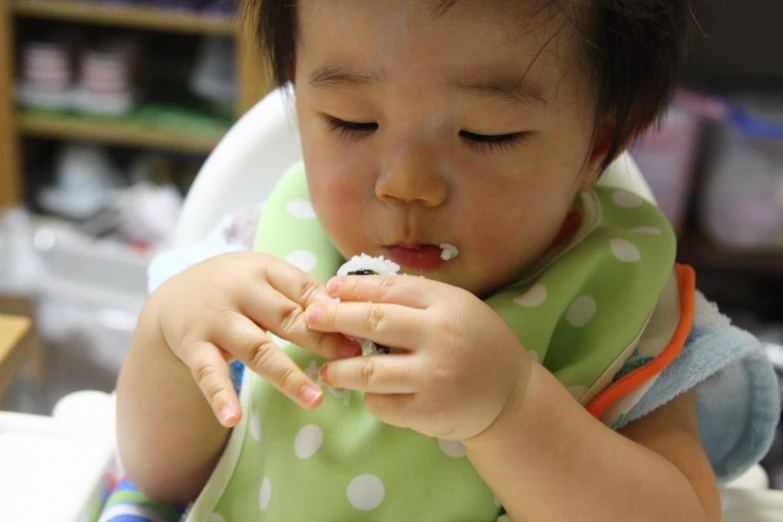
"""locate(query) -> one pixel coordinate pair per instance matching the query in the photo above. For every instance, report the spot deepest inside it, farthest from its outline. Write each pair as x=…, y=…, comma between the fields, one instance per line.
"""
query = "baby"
x=516, y=365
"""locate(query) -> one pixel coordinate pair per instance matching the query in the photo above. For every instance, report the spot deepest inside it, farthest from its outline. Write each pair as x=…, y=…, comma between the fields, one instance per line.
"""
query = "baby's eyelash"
x=350, y=129
x=497, y=143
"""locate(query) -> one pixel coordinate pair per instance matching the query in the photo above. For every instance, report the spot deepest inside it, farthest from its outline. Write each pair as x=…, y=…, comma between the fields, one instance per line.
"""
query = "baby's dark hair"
x=636, y=48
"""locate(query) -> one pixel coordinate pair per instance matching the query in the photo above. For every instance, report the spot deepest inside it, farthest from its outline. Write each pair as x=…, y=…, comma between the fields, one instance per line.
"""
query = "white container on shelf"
x=742, y=204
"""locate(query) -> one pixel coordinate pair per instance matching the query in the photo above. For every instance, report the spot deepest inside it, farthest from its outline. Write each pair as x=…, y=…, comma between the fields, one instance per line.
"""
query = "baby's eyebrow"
x=510, y=88
x=515, y=89
x=337, y=76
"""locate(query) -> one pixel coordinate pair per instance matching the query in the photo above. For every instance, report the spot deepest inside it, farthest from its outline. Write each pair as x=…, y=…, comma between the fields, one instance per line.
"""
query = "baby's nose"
x=415, y=176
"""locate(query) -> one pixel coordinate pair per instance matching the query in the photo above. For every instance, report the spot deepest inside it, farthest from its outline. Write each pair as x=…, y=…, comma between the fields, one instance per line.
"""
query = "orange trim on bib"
x=686, y=279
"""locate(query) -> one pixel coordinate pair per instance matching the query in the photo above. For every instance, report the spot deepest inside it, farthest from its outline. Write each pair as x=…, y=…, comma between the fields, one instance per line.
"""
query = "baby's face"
x=471, y=128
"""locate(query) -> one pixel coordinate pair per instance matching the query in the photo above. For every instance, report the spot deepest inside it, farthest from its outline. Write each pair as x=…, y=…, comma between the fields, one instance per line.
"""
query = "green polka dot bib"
x=581, y=314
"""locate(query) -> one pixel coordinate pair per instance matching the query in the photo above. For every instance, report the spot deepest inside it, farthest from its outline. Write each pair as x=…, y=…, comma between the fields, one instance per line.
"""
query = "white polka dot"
x=308, y=440
x=497, y=502
x=581, y=311
x=533, y=297
x=300, y=208
x=266, y=494
x=577, y=391
x=653, y=231
x=533, y=355
x=216, y=518
x=626, y=199
x=365, y=492
x=302, y=259
x=255, y=426
x=452, y=448
x=624, y=250
x=279, y=341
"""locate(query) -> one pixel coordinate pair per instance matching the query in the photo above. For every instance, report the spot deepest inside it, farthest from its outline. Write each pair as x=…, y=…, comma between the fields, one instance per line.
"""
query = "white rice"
x=377, y=265
x=449, y=251
x=368, y=347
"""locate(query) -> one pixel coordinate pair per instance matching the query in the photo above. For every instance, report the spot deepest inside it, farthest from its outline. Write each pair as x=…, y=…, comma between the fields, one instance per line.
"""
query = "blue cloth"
x=127, y=504
x=737, y=392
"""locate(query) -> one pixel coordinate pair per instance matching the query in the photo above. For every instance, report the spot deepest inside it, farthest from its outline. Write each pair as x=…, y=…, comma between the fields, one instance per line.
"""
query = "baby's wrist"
x=511, y=416
x=150, y=330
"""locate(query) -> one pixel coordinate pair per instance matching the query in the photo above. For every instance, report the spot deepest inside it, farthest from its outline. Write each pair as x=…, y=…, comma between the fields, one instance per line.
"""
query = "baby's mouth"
x=421, y=256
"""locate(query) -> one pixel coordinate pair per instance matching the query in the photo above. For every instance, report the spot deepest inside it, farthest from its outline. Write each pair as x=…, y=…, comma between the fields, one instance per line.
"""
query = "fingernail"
x=334, y=284
x=225, y=414
x=322, y=376
x=312, y=314
x=309, y=395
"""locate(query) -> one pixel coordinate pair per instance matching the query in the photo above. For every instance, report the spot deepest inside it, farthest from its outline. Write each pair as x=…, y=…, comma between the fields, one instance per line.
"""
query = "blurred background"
x=109, y=107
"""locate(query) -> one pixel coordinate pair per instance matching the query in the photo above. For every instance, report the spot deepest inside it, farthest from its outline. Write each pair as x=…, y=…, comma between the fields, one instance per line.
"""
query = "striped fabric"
x=127, y=504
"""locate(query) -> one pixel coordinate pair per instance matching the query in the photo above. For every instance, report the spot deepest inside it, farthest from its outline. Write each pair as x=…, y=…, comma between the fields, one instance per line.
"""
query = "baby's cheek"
x=333, y=190
x=514, y=243
x=341, y=214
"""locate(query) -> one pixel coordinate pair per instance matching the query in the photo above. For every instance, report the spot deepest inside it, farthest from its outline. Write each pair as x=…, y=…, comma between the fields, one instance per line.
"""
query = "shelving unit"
x=119, y=15
x=10, y=177
x=253, y=82
x=118, y=132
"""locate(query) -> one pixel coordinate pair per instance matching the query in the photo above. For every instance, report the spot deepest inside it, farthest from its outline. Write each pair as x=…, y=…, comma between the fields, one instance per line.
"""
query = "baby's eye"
x=494, y=143
x=350, y=129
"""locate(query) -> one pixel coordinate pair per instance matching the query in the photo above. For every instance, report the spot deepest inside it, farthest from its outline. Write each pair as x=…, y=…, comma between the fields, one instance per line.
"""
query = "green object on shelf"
x=187, y=121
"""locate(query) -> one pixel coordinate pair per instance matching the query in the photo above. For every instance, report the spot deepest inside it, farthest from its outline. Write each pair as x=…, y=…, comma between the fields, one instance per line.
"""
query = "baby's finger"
x=296, y=285
x=414, y=292
x=285, y=318
x=388, y=374
x=387, y=324
x=211, y=373
x=243, y=339
x=393, y=409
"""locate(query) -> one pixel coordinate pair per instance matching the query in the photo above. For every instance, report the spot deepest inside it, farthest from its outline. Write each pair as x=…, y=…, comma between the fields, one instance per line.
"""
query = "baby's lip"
x=416, y=256
x=412, y=244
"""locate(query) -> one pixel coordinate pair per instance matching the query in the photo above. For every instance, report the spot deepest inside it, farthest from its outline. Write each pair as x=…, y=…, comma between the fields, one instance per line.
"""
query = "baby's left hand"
x=460, y=364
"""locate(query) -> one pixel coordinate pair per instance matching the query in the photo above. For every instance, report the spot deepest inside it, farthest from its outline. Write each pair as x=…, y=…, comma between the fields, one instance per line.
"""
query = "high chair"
x=241, y=172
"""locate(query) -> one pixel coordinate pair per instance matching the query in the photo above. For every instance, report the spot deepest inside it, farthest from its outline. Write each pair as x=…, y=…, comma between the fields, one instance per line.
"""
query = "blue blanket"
x=737, y=392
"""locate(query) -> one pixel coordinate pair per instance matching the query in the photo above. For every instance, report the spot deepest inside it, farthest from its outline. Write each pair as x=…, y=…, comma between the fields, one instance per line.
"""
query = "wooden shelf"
x=117, y=131
x=697, y=250
x=120, y=15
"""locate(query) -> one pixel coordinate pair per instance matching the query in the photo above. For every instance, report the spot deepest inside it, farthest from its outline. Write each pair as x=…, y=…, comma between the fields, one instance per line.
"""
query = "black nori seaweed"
x=363, y=271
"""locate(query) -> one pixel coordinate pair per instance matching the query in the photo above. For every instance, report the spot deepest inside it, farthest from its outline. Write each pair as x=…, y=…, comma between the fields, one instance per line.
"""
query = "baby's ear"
x=292, y=71
x=602, y=140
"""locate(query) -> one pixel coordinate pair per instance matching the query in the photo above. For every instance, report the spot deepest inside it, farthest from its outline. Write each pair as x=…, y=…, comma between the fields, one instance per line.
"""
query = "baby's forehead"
x=466, y=43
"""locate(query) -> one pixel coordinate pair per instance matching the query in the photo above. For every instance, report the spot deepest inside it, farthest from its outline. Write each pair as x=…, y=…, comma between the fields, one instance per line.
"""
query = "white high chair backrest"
x=244, y=167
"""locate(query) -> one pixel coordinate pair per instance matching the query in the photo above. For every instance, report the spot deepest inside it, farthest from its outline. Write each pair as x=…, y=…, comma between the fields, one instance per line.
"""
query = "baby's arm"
x=168, y=438
x=175, y=380
x=547, y=458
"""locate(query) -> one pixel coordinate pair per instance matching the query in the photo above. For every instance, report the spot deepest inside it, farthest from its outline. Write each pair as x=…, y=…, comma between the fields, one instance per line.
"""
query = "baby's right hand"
x=220, y=309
